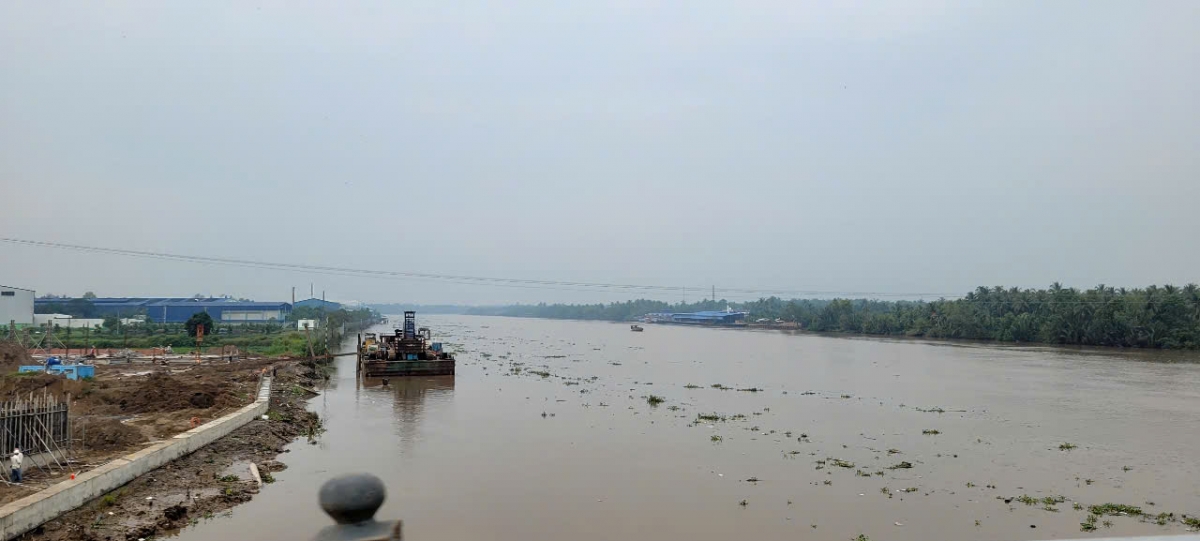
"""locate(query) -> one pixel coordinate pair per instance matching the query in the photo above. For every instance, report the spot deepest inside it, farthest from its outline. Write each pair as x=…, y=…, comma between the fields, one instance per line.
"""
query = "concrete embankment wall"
x=31, y=511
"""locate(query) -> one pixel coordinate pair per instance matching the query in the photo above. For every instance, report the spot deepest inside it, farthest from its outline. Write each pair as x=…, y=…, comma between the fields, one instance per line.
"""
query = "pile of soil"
x=162, y=392
x=107, y=434
x=13, y=355
x=14, y=385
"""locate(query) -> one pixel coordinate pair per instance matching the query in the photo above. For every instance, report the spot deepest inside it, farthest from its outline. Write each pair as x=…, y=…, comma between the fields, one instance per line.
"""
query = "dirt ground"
x=12, y=355
x=126, y=408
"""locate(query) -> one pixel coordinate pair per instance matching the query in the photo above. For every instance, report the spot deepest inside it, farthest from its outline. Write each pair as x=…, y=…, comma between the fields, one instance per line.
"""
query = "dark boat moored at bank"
x=408, y=352
x=636, y=328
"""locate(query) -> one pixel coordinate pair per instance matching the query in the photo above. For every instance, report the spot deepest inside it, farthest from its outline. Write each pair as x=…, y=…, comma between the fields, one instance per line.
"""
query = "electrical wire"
x=524, y=283
x=551, y=285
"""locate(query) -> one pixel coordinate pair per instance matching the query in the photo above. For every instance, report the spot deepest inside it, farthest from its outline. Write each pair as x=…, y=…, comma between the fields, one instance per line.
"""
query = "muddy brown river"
x=547, y=433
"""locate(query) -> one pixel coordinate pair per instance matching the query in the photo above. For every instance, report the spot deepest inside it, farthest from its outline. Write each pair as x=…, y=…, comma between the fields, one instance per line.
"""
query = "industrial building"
x=699, y=318
x=16, y=305
x=66, y=321
x=320, y=304
x=179, y=309
x=102, y=306
x=221, y=310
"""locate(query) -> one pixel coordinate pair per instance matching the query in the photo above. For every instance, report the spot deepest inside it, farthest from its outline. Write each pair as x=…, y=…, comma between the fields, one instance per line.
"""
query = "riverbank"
x=203, y=483
x=795, y=328
x=1166, y=317
x=268, y=343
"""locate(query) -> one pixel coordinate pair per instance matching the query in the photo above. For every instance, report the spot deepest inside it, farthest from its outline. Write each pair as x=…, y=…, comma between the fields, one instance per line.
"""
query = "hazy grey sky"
x=843, y=146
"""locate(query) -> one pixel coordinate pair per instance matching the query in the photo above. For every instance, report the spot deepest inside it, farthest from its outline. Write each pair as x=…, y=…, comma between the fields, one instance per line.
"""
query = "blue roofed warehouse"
x=319, y=304
x=709, y=318
x=177, y=309
x=221, y=310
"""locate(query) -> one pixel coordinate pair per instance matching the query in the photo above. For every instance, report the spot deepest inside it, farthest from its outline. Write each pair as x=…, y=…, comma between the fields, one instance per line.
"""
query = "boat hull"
x=398, y=368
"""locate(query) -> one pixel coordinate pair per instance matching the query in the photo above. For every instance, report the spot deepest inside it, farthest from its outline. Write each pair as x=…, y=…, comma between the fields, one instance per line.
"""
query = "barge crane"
x=408, y=352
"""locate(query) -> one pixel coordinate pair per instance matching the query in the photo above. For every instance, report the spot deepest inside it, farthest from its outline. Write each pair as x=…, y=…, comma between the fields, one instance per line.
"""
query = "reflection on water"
x=410, y=396
x=546, y=433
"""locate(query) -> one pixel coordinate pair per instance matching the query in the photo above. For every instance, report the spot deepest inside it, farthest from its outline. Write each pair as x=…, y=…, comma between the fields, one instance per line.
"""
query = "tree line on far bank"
x=1166, y=317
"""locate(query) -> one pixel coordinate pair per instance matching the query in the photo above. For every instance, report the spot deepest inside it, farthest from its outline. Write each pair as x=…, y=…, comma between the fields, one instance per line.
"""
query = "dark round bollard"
x=352, y=500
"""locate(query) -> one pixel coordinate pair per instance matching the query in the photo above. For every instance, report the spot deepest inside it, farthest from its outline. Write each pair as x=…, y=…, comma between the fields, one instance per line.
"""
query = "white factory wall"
x=16, y=305
x=251, y=315
x=64, y=321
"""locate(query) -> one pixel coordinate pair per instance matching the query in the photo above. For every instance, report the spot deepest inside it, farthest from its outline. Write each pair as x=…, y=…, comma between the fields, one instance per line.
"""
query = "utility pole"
x=293, y=295
x=199, y=341
x=326, y=330
x=307, y=338
x=714, y=293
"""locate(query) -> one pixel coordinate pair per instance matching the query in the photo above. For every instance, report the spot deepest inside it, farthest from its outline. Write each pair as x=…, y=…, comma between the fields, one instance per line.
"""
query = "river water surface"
x=546, y=433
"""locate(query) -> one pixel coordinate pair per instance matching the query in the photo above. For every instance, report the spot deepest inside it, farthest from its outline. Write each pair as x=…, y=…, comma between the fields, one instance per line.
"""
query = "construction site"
x=68, y=422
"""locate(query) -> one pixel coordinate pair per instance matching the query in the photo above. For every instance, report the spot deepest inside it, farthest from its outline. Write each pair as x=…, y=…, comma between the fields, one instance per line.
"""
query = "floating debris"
x=1114, y=509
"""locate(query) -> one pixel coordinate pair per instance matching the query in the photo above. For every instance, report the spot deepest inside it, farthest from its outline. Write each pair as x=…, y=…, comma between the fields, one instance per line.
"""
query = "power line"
x=475, y=280
x=553, y=285
x=561, y=285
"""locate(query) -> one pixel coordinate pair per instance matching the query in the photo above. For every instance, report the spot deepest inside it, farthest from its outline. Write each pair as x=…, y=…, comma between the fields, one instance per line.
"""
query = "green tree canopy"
x=1152, y=317
x=199, y=319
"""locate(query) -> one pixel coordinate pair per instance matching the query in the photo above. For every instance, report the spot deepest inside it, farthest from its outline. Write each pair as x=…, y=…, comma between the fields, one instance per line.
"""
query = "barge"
x=408, y=352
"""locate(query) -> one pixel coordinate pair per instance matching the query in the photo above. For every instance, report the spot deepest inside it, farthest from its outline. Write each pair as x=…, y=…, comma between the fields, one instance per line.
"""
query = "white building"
x=16, y=304
x=310, y=324
x=64, y=321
